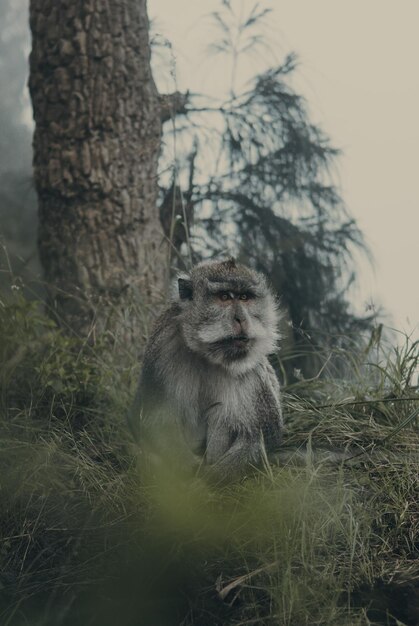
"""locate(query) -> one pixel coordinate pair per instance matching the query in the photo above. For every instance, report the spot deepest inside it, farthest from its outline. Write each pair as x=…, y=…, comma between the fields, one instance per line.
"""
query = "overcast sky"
x=359, y=73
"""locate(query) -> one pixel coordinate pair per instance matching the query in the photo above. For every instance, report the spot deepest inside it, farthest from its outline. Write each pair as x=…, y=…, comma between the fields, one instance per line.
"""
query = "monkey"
x=207, y=391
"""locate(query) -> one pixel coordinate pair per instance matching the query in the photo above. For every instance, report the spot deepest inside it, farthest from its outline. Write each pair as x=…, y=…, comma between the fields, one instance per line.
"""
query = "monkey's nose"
x=239, y=325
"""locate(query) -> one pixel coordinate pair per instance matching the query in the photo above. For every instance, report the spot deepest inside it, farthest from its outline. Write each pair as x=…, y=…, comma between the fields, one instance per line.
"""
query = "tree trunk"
x=96, y=147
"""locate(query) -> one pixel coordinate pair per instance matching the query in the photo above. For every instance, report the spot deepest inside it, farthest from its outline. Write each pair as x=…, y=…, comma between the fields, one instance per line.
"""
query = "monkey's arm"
x=155, y=425
x=269, y=410
x=231, y=451
x=246, y=451
x=228, y=452
x=218, y=438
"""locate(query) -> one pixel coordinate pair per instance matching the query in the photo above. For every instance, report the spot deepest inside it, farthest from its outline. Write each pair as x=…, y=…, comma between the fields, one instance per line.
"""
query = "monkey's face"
x=229, y=316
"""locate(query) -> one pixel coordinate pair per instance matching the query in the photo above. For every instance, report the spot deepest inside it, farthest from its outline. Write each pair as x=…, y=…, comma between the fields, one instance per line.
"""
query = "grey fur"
x=207, y=391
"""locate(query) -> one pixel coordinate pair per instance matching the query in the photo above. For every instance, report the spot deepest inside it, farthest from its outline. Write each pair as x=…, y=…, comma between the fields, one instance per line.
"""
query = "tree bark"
x=96, y=147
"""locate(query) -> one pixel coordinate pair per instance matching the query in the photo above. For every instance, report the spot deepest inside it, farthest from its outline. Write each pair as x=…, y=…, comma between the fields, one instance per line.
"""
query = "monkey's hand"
x=247, y=451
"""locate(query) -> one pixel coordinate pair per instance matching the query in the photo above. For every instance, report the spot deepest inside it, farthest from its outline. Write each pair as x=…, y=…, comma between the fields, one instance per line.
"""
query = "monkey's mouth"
x=235, y=341
x=240, y=341
x=232, y=348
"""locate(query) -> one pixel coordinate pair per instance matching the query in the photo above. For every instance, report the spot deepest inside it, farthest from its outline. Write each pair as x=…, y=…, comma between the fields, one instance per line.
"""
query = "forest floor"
x=326, y=535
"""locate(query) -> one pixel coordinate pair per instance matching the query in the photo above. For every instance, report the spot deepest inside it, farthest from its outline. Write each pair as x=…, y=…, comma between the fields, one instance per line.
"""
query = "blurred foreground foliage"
x=327, y=535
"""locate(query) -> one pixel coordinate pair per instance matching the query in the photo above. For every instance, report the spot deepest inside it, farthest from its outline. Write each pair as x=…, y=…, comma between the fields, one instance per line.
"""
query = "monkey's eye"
x=224, y=296
x=246, y=296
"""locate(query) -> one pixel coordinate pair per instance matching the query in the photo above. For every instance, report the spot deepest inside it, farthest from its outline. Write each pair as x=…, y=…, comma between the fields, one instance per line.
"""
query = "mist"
x=17, y=195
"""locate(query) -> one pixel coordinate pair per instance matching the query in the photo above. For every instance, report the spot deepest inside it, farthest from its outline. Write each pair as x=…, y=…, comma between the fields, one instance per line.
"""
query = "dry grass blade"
x=233, y=584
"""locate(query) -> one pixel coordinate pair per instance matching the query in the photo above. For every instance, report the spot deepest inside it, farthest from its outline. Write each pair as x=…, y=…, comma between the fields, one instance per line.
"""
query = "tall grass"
x=328, y=534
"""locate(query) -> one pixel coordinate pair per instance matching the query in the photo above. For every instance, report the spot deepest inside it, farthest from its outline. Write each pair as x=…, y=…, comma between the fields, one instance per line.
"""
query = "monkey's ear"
x=185, y=289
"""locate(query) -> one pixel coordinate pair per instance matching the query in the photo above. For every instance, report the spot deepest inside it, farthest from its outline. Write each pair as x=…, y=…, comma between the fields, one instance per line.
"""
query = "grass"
x=327, y=535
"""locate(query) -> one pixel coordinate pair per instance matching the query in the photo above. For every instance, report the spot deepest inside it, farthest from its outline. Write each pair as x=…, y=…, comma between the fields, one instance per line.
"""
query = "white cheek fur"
x=213, y=332
x=261, y=332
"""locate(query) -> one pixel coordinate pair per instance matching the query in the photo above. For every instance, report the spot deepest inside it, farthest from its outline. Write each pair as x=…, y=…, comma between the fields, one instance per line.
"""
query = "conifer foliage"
x=262, y=186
